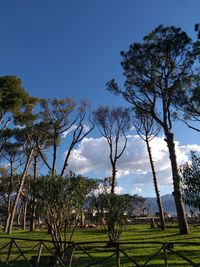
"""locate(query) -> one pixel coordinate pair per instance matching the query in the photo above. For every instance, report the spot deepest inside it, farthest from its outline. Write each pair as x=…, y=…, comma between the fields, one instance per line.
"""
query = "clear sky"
x=71, y=48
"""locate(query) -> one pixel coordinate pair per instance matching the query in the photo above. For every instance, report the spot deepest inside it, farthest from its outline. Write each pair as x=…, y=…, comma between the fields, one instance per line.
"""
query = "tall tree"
x=15, y=108
x=26, y=137
x=113, y=125
x=156, y=70
x=148, y=129
x=12, y=157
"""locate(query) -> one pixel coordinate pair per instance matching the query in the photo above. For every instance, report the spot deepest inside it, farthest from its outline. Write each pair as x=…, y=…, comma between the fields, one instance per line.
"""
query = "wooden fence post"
x=9, y=251
x=117, y=255
x=165, y=254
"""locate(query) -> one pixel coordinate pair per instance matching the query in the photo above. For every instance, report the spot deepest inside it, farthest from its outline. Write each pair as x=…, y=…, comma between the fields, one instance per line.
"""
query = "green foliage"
x=59, y=196
x=56, y=112
x=113, y=210
x=58, y=200
x=191, y=181
x=159, y=68
x=12, y=94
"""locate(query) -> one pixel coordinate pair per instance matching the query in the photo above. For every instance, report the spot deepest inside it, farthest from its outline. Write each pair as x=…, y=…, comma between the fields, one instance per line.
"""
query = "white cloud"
x=86, y=128
x=91, y=157
x=71, y=129
x=101, y=189
x=136, y=190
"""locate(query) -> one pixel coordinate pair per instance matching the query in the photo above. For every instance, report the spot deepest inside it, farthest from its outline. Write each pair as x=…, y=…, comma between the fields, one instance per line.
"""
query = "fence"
x=35, y=253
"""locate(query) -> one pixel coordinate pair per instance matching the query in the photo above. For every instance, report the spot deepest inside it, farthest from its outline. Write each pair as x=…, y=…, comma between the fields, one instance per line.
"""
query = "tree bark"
x=24, y=215
x=9, y=198
x=7, y=221
x=33, y=200
x=113, y=182
x=53, y=171
x=158, y=198
x=19, y=214
x=33, y=215
x=183, y=225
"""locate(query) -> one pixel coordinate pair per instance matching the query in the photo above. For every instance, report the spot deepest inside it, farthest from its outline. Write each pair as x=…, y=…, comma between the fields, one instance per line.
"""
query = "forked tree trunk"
x=158, y=198
x=10, y=225
x=183, y=225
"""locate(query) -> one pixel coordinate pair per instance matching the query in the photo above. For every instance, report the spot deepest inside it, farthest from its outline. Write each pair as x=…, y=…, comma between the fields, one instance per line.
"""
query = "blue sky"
x=71, y=48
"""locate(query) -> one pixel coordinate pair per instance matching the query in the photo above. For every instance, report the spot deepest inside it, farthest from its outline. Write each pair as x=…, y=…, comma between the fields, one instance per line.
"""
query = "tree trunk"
x=33, y=200
x=183, y=225
x=19, y=222
x=24, y=215
x=19, y=192
x=9, y=198
x=65, y=164
x=159, y=202
x=33, y=215
x=8, y=214
x=113, y=182
x=53, y=172
x=7, y=222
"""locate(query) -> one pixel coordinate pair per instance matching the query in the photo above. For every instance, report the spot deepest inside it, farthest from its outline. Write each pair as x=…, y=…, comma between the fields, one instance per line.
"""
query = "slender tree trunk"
x=65, y=164
x=54, y=157
x=19, y=192
x=33, y=215
x=9, y=198
x=24, y=215
x=8, y=214
x=183, y=225
x=159, y=202
x=33, y=201
x=114, y=171
x=19, y=214
x=65, y=236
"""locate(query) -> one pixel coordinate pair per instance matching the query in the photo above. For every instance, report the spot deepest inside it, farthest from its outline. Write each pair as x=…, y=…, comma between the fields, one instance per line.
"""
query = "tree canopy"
x=191, y=181
x=157, y=71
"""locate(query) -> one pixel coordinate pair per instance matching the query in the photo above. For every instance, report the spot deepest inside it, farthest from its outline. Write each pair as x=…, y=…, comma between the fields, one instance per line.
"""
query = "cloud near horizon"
x=91, y=158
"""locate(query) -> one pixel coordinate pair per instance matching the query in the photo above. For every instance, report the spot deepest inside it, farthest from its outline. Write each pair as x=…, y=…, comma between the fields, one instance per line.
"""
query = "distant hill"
x=168, y=204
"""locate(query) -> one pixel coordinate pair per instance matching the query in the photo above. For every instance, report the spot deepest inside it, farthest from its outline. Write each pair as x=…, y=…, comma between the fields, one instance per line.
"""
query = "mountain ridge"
x=168, y=205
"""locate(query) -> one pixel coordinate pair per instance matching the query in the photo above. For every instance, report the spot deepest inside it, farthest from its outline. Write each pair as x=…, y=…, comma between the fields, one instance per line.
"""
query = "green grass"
x=131, y=233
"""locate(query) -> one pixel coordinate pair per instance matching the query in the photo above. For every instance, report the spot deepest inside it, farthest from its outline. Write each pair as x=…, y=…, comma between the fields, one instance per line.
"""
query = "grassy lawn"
x=140, y=251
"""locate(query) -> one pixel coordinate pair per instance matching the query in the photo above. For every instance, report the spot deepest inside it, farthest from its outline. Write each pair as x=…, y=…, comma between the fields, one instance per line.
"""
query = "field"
x=139, y=242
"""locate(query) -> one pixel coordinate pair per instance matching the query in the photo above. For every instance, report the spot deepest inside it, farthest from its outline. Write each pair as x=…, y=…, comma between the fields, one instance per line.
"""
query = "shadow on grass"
x=109, y=259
